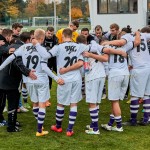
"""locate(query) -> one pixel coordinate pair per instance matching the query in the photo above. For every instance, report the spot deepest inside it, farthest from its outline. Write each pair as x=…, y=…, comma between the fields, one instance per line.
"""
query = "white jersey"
x=31, y=59
x=67, y=54
x=117, y=63
x=97, y=69
x=140, y=55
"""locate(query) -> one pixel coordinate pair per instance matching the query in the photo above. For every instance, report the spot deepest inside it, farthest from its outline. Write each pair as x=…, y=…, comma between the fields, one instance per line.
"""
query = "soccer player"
x=38, y=89
x=73, y=25
x=67, y=54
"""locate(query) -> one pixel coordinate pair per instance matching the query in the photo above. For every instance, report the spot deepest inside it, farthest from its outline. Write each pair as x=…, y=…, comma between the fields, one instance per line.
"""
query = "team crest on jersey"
x=32, y=48
x=70, y=49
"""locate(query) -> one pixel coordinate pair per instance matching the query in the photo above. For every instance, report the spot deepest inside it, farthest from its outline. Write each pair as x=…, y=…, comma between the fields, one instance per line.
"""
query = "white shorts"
x=140, y=82
x=117, y=87
x=38, y=92
x=69, y=92
x=94, y=90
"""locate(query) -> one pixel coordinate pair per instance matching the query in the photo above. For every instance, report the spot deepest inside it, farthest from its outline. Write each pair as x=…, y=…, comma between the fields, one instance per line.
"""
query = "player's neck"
x=67, y=40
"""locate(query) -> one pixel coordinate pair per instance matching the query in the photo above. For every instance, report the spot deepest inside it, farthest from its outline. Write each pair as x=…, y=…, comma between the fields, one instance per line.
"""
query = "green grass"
x=133, y=138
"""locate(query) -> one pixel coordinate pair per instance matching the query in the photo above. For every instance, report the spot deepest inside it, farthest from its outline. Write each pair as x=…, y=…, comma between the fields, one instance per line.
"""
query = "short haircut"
x=114, y=25
x=7, y=32
x=98, y=27
x=81, y=39
x=24, y=36
x=85, y=29
x=75, y=23
x=39, y=33
x=51, y=29
x=17, y=25
x=145, y=29
x=67, y=33
x=127, y=30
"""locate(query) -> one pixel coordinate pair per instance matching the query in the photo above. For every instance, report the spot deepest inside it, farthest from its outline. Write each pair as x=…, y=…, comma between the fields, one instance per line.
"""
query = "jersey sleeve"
x=47, y=70
x=80, y=57
x=54, y=51
x=42, y=51
x=125, y=37
x=129, y=46
x=147, y=35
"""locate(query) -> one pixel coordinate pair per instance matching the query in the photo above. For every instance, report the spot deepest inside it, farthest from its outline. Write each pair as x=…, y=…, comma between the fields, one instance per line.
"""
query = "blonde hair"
x=39, y=34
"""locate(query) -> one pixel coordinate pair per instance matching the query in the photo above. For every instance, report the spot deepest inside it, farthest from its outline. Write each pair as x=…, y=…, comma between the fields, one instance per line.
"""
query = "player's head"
x=114, y=29
x=25, y=37
x=67, y=34
x=81, y=39
x=85, y=32
x=49, y=32
x=39, y=35
x=7, y=33
x=16, y=28
x=98, y=31
x=145, y=29
x=74, y=25
x=32, y=34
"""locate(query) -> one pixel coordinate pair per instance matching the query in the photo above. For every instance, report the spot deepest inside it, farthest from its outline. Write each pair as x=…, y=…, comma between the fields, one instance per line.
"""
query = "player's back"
x=69, y=53
x=139, y=55
x=31, y=59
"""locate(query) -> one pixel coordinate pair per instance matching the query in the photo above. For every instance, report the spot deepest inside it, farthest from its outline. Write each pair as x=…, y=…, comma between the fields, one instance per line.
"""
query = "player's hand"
x=137, y=33
x=124, y=54
x=2, y=42
x=63, y=70
x=32, y=74
x=86, y=54
x=60, y=81
x=34, y=41
x=130, y=67
x=11, y=50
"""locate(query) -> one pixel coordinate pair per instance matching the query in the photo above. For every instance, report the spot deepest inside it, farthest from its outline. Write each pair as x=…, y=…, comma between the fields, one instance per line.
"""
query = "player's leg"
x=35, y=110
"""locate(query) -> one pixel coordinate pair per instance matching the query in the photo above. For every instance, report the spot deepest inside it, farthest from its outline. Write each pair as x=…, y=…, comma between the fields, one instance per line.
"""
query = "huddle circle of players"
x=81, y=60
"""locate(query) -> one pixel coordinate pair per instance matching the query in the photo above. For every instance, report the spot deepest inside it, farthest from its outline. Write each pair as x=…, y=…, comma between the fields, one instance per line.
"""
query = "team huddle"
x=86, y=59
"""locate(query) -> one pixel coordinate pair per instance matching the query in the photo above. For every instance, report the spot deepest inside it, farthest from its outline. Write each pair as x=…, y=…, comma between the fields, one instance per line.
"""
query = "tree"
x=76, y=13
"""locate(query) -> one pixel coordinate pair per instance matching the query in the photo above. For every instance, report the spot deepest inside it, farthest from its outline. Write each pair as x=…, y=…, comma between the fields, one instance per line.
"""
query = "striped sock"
x=146, y=106
x=41, y=117
x=112, y=119
x=134, y=107
x=118, y=120
x=72, y=117
x=35, y=112
x=94, y=118
x=24, y=94
x=59, y=116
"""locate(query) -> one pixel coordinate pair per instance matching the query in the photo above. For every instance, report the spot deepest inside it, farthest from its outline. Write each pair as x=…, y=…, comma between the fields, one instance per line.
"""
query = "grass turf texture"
x=132, y=138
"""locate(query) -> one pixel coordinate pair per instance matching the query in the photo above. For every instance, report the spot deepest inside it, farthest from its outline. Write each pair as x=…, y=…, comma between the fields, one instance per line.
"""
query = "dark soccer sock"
x=94, y=118
x=146, y=106
x=72, y=117
x=35, y=112
x=59, y=116
x=118, y=120
x=112, y=119
x=41, y=117
x=24, y=94
x=134, y=107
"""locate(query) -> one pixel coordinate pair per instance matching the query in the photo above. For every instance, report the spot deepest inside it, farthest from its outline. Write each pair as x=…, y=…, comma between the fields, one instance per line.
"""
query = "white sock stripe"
x=95, y=120
x=134, y=106
x=134, y=111
x=146, y=105
x=71, y=122
x=60, y=115
x=72, y=117
x=42, y=110
x=35, y=107
x=111, y=115
x=41, y=122
x=41, y=116
x=134, y=98
x=145, y=110
x=59, y=119
x=117, y=117
x=60, y=108
x=94, y=114
x=92, y=109
x=35, y=113
x=74, y=109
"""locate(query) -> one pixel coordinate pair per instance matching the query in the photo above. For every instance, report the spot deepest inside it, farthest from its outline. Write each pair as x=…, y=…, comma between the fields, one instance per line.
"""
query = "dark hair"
x=32, y=32
x=114, y=25
x=127, y=29
x=50, y=29
x=81, y=39
x=24, y=36
x=98, y=27
x=7, y=32
x=75, y=23
x=17, y=25
x=67, y=33
x=145, y=29
x=84, y=29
